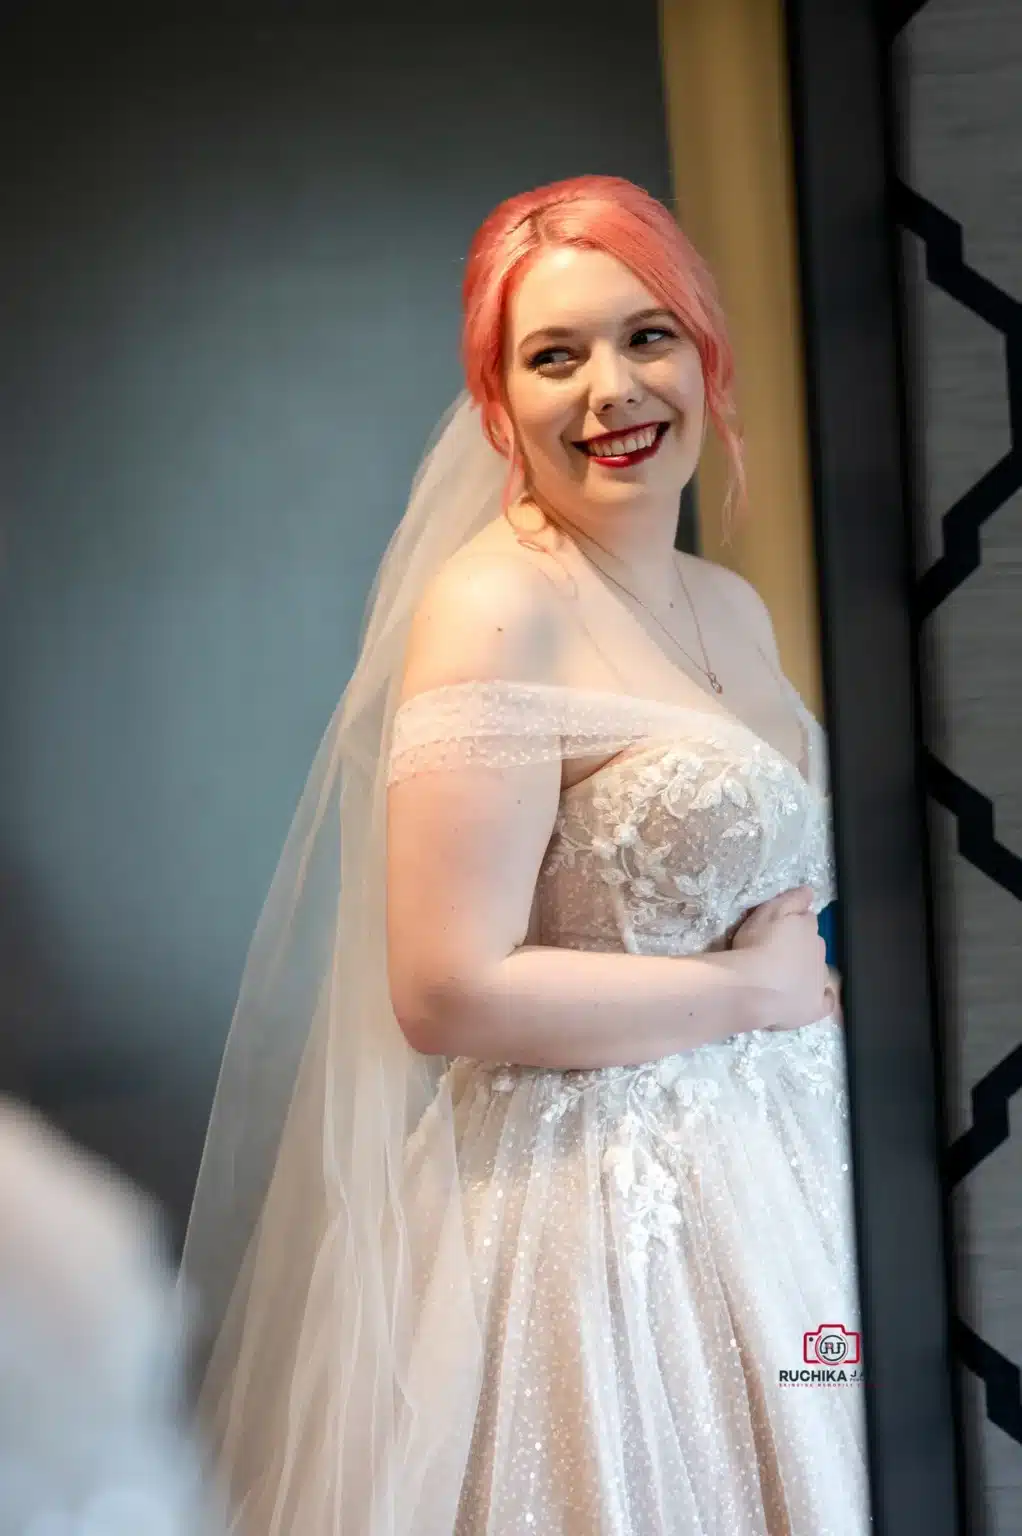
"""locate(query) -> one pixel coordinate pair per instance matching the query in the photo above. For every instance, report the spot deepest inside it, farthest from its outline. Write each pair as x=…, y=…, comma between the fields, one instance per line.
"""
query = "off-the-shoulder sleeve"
x=817, y=765
x=503, y=725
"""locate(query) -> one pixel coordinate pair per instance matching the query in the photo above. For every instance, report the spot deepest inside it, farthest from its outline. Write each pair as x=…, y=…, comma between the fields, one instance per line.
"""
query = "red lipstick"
x=624, y=460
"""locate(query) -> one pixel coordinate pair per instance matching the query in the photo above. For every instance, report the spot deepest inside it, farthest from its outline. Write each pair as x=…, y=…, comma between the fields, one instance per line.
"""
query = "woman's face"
x=605, y=388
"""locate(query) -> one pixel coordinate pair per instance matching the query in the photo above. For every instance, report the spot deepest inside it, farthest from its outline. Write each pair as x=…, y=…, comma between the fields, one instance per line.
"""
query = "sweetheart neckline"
x=637, y=748
x=721, y=716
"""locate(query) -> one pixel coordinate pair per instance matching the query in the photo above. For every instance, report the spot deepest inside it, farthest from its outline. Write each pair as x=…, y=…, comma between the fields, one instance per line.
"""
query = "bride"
x=525, y=1204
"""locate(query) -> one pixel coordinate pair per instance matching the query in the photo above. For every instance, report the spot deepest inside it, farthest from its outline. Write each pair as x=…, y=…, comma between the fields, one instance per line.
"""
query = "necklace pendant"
x=715, y=683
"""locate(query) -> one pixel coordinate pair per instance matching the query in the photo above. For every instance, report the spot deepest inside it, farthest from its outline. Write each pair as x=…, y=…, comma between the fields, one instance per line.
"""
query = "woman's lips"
x=626, y=460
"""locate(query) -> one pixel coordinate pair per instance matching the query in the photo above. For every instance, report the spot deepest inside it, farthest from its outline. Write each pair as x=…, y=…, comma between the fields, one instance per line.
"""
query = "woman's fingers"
x=791, y=903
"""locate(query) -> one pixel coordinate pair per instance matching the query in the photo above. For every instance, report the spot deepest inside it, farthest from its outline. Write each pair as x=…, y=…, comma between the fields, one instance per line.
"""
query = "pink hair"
x=598, y=213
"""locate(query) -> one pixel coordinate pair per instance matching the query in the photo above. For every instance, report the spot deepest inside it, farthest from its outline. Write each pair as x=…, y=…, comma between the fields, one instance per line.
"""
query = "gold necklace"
x=707, y=670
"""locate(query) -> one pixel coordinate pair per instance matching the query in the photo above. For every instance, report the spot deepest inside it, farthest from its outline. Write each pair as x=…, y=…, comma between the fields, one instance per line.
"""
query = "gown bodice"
x=668, y=847
x=664, y=850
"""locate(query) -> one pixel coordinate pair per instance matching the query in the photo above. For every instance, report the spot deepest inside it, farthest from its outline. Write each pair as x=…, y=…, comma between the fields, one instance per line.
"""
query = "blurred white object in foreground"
x=92, y=1439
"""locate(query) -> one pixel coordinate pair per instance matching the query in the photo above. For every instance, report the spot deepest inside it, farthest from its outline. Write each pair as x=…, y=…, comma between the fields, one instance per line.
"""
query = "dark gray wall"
x=230, y=254
x=959, y=73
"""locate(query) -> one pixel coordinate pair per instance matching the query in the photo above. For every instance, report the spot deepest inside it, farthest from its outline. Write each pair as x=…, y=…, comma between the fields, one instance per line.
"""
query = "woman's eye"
x=655, y=331
x=550, y=356
x=560, y=357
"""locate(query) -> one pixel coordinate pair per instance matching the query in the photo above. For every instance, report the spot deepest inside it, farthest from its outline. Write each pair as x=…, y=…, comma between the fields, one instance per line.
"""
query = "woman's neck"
x=637, y=547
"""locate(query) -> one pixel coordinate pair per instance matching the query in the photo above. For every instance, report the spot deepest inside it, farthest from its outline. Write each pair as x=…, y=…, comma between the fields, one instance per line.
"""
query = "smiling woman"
x=520, y=260
x=641, y=439
x=574, y=1092
x=562, y=393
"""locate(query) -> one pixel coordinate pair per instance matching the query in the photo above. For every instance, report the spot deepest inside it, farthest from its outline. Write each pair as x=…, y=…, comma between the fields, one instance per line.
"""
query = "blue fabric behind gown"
x=828, y=931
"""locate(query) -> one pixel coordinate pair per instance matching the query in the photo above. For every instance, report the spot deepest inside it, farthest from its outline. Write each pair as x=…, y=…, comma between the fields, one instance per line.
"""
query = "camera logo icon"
x=831, y=1344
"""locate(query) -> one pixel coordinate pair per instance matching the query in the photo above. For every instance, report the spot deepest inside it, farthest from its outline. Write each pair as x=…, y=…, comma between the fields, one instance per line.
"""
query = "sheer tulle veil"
x=323, y=1407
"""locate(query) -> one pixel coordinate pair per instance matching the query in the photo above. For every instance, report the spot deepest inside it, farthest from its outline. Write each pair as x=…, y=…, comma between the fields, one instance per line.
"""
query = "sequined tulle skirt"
x=655, y=1252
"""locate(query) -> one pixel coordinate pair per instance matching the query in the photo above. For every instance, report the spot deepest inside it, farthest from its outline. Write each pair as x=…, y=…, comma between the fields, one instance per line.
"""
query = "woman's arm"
x=465, y=847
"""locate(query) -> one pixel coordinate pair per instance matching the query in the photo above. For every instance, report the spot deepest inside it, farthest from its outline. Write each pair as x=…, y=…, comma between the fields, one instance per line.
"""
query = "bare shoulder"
x=490, y=613
x=719, y=583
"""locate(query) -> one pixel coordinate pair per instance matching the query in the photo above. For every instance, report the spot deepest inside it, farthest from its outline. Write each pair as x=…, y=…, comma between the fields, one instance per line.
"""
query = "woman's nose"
x=611, y=380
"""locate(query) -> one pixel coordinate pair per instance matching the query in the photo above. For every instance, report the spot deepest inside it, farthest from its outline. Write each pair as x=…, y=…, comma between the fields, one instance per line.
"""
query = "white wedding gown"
x=650, y=1245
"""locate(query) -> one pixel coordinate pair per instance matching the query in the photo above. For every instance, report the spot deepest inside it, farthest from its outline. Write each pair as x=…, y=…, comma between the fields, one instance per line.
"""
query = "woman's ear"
x=504, y=430
x=518, y=478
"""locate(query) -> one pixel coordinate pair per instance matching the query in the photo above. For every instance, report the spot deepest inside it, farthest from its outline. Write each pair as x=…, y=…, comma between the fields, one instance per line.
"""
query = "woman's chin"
x=634, y=487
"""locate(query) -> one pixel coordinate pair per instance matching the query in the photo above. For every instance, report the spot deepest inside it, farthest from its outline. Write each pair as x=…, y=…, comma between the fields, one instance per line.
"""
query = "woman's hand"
x=834, y=996
x=784, y=936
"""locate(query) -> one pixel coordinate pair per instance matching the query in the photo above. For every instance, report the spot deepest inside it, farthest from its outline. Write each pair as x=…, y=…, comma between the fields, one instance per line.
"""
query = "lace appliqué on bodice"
x=665, y=849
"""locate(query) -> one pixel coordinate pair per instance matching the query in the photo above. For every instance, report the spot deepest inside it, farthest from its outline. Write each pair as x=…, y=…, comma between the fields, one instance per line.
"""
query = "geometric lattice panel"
x=958, y=73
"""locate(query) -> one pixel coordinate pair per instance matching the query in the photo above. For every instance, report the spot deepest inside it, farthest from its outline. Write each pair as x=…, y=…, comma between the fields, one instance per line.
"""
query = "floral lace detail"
x=663, y=851
x=811, y=1060
x=655, y=1118
x=647, y=1190
x=683, y=841
x=815, y=1066
x=646, y=1152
